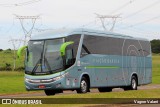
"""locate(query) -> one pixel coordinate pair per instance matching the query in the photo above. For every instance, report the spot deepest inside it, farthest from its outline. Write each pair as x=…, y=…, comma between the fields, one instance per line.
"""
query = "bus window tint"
x=102, y=45
x=114, y=46
x=146, y=47
x=75, y=39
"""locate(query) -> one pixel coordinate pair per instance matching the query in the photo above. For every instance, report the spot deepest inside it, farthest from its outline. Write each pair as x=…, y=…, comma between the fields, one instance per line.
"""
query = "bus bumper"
x=59, y=84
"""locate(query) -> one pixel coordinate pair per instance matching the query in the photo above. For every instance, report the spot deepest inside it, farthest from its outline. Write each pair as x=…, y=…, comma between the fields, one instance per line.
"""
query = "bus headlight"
x=32, y=81
x=45, y=80
x=59, y=77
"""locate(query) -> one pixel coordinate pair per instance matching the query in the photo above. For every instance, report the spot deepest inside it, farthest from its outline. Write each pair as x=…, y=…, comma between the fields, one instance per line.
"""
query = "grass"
x=7, y=57
x=12, y=83
x=156, y=69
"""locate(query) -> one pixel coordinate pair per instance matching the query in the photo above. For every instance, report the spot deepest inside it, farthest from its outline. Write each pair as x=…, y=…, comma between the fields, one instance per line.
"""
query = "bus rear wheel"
x=133, y=85
x=84, y=86
x=105, y=89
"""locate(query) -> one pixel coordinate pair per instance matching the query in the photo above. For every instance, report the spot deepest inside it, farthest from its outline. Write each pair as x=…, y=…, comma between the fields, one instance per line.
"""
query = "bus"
x=80, y=59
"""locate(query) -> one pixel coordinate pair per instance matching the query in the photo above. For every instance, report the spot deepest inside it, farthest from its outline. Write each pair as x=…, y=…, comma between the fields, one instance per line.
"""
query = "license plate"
x=41, y=86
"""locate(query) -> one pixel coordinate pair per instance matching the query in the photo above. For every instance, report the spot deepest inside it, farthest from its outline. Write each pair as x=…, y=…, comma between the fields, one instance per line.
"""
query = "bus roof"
x=58, y=33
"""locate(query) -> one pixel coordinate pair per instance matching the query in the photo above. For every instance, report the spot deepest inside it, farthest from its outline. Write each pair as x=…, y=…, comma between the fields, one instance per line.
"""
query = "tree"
x=8, y=49
x=155, y=44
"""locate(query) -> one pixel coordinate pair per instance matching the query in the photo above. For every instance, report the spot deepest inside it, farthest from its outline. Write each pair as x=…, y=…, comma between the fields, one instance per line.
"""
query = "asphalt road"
x=41, y=93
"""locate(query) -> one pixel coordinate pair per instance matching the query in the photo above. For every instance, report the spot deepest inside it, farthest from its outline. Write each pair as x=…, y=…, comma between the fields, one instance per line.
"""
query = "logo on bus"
x=102, y=60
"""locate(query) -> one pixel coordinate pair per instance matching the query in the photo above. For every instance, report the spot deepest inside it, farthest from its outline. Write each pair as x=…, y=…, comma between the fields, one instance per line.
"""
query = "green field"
x=7, y=57
x=156, y=69
x=13, y=82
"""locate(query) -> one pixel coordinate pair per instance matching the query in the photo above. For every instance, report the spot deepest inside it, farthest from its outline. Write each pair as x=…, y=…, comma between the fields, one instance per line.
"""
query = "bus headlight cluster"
x=45, y=80
x=32, y=80
x=59, y=77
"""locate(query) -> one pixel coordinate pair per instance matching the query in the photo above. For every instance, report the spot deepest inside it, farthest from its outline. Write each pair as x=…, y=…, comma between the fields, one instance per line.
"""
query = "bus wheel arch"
x=85, y=79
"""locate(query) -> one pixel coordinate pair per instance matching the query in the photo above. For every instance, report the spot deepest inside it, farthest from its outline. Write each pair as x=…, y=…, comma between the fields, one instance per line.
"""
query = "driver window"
x=69, y=57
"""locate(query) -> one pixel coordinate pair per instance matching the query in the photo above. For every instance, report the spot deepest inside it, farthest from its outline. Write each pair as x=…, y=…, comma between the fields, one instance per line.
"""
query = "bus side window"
x=84, y=51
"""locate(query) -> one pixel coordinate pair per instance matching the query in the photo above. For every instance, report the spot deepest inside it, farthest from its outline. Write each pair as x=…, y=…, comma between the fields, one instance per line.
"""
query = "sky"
x=138, y=18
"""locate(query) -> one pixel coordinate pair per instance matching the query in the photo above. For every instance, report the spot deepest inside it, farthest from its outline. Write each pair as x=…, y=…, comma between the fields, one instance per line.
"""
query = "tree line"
x=155, y=44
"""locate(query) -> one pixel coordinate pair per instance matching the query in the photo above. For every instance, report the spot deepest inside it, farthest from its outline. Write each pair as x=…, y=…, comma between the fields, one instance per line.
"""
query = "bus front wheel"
x=52, y=92
x=84, y=86
x=49, y=92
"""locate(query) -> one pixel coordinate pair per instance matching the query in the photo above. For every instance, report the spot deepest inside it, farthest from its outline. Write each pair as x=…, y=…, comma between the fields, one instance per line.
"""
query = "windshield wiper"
x=46, y=62
x=35, y=68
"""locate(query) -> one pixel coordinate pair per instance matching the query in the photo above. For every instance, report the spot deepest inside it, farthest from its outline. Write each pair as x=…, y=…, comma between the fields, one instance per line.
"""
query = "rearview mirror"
x=63, y=47
x=19, y=52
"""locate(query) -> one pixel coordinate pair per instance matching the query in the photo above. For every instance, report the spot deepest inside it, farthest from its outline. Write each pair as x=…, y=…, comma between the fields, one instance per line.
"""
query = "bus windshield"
x=43, y=57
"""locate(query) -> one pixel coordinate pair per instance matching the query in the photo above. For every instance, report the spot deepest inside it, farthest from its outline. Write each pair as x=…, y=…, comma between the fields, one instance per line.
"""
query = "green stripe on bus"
x=103, y=67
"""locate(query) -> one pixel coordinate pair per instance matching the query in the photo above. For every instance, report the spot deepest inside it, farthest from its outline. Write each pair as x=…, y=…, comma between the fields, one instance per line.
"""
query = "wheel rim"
x=134, y=84
x=83, y=86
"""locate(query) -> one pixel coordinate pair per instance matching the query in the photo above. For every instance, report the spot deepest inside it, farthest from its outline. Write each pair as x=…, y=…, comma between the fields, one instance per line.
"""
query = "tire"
x=133, y=85
x=49, y=92
x=105, y=89
x=84, y=86
x=52, y=92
